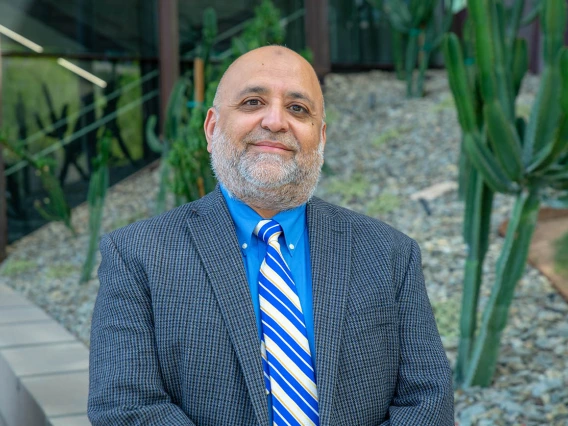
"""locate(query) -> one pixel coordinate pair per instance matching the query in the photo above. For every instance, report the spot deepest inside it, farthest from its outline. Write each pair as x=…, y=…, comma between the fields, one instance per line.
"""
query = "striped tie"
x=288, y=367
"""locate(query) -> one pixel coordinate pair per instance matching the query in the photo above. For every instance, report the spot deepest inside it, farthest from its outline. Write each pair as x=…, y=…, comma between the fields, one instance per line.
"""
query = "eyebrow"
x=261, y=90
x=252, y=89
x=299, y=95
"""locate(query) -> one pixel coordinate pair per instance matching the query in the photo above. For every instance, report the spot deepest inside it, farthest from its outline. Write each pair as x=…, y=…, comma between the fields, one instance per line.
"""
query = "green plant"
x=508, y=156
x=174, y=123
x=262, y=30
x=389, y=135
x=55, y=206
x=61, y=270
x=96, y=198
x=185, y=166
x=13, y=267
x=350, y=190
x=383, y=204
x=188, y=158
x=417, y=32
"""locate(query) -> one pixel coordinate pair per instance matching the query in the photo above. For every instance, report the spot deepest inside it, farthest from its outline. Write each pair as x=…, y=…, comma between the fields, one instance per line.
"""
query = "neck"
x=265, y=214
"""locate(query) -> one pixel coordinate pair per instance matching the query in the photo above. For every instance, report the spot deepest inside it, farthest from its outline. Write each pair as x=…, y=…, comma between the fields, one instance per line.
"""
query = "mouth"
x=271, y=146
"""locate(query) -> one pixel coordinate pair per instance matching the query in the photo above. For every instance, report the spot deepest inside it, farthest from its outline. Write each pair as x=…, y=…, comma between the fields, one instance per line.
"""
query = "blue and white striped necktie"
x=286, y=358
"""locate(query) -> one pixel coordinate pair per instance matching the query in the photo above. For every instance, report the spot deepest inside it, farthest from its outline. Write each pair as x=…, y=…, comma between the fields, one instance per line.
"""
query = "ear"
x=209, y=126
x=323, y=133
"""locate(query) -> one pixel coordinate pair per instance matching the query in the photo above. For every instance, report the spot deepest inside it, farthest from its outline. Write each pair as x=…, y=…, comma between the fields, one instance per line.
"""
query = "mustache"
x=286, y=139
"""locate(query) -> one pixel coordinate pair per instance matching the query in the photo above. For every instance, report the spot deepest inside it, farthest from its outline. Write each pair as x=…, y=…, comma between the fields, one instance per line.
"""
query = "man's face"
x=267, y=135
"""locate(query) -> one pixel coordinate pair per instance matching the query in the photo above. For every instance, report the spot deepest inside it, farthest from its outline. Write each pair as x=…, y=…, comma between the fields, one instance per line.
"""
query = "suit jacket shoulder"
x=360, y=222
x=167, y=227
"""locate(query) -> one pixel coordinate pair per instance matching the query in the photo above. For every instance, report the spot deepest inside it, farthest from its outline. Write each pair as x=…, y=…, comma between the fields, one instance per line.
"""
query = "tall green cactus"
x=508, y=157
x=98, y=186
x=414, y=23
x=162, y=145
x=188, y=158
x=184, y=168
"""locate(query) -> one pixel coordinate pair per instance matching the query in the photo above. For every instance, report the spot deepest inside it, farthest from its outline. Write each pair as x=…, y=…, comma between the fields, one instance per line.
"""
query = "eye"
x=251, y=102
x=298, y=108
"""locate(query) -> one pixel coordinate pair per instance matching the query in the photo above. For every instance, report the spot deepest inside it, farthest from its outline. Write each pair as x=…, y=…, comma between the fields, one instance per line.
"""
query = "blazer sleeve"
x=424, y=393
x=125, y=386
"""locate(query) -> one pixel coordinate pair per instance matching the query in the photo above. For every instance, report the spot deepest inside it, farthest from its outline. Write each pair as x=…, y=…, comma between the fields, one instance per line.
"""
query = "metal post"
x=169, y=52
x=3, y=210
x=566, y=33
x=535, y=47
x=316, y=23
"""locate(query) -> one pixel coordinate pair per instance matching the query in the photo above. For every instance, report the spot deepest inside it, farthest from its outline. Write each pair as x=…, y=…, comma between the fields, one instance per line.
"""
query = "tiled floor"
x=43, y=368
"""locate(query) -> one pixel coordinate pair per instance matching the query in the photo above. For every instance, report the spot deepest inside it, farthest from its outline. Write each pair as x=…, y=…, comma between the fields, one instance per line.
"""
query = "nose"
x=275, y=119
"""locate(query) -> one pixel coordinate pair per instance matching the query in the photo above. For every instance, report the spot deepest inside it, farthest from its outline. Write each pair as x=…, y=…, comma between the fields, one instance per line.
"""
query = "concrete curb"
x=44, y=370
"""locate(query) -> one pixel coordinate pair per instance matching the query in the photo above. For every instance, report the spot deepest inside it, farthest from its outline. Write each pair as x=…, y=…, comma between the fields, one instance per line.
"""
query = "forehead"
x=276, y=73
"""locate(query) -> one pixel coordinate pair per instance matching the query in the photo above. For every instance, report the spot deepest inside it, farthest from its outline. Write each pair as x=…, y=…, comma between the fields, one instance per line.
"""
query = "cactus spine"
x=509, y=157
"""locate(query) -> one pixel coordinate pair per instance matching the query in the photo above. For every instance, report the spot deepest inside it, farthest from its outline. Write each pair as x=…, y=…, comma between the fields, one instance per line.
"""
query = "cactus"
x=96, y=198
x=59, y=123
x=55, y=206
x=162, y=145
x=508, y=157
x=414, y=23
x=185, y=166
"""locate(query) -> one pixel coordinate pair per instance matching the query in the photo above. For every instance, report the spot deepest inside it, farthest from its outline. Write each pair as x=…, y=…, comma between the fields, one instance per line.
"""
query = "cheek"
x=309, y=138
x=243, y=125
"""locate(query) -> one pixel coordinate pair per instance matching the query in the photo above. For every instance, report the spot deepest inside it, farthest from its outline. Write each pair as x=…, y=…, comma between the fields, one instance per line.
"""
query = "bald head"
x=275, y=61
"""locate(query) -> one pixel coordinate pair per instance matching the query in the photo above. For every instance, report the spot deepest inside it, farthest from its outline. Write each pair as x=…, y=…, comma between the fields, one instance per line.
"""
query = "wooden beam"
x=316, y=23
x=458, y=23
x=168, y=29
x=535, y=50
x=566, y=33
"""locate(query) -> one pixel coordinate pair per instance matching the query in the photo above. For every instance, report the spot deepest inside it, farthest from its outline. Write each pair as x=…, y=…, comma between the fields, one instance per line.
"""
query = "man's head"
x=266, y=130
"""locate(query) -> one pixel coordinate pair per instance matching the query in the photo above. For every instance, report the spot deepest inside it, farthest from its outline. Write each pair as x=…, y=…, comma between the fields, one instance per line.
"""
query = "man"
x=258, y=303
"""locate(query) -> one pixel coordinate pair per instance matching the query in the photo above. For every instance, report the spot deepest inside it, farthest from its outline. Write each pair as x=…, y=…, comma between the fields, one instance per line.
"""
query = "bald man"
x=260, y=304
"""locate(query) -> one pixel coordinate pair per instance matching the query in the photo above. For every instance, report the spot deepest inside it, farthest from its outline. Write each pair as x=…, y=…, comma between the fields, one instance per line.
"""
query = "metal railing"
x=119, y=92
x=90, y=127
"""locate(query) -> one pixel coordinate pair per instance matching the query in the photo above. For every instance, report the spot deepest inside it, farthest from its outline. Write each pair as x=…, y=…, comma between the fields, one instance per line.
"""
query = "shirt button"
x=291, y=246
x=244, y=245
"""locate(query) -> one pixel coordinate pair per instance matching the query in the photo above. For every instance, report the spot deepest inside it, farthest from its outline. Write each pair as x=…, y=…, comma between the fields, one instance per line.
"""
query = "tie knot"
x=268, y=230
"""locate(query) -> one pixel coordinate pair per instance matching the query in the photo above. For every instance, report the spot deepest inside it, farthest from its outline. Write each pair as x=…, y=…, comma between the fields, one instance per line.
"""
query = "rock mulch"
x=381, y=150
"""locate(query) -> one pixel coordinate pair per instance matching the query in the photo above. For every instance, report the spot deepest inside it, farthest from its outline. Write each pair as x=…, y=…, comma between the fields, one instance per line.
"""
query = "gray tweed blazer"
x=174, y=338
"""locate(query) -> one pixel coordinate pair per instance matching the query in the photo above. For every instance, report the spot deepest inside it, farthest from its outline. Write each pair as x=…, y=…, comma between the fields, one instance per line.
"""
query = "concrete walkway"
x=43, y=368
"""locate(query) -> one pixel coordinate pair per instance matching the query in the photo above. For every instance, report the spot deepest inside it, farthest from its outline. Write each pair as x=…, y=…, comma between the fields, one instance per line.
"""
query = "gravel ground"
x=381, y=149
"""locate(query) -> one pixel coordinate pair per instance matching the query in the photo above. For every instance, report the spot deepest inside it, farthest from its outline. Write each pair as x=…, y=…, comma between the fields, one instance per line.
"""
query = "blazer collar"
x=213, y=232
x=330, y=252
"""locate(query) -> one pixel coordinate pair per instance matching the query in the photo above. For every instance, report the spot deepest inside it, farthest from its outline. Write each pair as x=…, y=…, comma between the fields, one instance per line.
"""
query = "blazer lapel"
x=330, y=252
x=215, y=238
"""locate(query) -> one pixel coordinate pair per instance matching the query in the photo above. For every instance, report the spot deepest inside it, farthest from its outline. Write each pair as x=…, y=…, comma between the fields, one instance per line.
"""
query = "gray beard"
x=264, y=180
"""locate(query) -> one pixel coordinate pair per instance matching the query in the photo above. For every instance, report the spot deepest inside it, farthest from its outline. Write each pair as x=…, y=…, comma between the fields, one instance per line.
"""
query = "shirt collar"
x=293, y=221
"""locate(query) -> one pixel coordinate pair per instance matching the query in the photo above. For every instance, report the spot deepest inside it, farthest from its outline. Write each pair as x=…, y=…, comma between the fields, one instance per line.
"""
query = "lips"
x=271, y=146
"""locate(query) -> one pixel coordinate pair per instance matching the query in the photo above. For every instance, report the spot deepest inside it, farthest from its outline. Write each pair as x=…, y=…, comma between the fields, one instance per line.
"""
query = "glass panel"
x=359, y=34
x=124, y=28
x=231, y=14
x=52, y=108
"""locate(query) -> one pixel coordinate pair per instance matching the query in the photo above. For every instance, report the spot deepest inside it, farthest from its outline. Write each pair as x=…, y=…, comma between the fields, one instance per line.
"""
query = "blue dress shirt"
x=295, y=248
